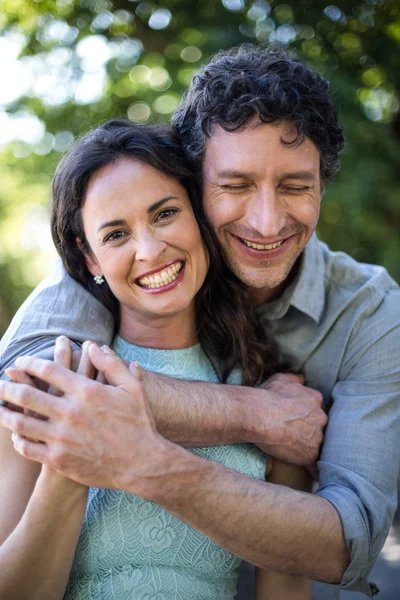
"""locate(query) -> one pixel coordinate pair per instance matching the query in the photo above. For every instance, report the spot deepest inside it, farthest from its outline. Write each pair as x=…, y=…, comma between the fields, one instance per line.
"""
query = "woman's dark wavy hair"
x=228, y=327
x=265, y=82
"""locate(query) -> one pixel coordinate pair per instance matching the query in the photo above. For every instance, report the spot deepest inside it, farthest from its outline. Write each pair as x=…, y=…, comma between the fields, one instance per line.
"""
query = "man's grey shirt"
x=339, y=322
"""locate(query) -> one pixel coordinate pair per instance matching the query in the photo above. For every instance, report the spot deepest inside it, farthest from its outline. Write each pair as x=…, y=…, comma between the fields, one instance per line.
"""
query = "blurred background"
x=68, y=65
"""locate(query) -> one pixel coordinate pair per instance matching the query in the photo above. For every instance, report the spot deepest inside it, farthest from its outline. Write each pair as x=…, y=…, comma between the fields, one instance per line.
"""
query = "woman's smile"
x=163, y=279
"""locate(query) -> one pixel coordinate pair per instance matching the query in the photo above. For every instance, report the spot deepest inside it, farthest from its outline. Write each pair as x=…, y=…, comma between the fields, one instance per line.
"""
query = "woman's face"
x=144, y=238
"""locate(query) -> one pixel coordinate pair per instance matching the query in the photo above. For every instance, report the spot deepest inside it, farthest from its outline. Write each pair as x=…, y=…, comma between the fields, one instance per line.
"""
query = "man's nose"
x=149, y=246
x=265, y=213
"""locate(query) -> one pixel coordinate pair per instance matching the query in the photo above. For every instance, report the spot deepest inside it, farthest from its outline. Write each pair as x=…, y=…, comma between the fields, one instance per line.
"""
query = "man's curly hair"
x=269, y=83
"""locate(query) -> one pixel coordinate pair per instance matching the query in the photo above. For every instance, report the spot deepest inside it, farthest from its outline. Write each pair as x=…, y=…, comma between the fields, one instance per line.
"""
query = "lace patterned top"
x=130, y=548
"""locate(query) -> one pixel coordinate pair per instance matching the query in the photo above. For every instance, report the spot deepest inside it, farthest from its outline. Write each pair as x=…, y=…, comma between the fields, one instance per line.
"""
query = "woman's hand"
x=63, y=357
x=99, y=435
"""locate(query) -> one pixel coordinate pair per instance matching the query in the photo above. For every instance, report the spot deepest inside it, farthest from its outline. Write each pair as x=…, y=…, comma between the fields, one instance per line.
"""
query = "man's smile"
x=254, y=249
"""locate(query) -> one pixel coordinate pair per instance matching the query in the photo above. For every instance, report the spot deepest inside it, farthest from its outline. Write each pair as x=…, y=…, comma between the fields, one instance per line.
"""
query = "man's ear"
x=91, y=262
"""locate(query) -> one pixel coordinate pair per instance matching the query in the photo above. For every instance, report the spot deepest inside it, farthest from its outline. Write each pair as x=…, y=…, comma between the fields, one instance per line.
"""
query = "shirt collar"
x=306, y=292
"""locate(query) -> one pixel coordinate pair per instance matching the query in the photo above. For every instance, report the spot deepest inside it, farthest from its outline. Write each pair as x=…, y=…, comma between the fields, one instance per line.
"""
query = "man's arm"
x=58, y=306
x=360, y=456
x=271, y=526
x=283, y=417
x=286, y=418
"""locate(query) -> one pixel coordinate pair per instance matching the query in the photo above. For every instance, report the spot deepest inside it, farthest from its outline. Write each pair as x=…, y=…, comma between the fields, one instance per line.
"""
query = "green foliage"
x=145, y=53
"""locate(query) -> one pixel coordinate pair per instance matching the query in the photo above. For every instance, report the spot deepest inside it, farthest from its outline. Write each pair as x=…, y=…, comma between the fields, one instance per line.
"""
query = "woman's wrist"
x=56, y=485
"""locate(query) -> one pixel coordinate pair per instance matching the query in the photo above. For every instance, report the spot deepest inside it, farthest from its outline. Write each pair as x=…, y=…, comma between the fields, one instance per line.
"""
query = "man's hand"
x=295, y=420
x=96, y=434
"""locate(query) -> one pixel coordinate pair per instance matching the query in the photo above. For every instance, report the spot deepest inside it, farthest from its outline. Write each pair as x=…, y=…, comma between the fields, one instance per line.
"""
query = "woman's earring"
x=99, y=279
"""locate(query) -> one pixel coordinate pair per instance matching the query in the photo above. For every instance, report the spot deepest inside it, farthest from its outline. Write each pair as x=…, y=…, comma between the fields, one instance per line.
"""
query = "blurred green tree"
x=70, y=64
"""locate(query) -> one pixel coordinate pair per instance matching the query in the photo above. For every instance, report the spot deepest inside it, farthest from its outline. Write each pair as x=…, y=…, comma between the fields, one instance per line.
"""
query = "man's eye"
x=235, y=188
x=113, y=236
x=295, y=190
x=166, y=214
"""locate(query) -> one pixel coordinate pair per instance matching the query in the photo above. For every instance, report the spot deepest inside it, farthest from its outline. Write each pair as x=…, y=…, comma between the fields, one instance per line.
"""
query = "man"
x=262, y=129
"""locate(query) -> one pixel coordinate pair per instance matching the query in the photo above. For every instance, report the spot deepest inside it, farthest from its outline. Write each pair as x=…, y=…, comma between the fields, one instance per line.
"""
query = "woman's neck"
x=166, y=333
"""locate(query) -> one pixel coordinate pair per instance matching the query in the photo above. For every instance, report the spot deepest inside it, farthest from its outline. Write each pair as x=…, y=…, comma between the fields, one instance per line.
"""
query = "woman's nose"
x=149, y=247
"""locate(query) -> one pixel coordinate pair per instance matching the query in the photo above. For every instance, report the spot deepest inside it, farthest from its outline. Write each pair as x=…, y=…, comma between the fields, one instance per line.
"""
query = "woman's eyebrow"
x=149, y=210
x=111, y=224
x=160, y=203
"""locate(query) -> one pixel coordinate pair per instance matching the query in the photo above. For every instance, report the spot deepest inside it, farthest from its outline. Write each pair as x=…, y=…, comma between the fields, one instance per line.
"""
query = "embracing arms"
x=285, y=418
x=269, y=525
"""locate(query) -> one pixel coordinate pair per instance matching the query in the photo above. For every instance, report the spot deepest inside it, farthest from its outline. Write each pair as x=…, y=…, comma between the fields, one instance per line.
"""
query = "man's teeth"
x=162, y=278
x=261, y=246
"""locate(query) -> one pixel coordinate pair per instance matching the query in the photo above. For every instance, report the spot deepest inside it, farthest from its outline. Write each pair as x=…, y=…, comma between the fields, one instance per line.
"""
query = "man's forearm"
x=284, y=417
x=268, y=525
x=197, y=413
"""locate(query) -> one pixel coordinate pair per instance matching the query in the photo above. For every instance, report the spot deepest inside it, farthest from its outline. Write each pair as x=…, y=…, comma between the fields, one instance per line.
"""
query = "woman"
x=128, y=223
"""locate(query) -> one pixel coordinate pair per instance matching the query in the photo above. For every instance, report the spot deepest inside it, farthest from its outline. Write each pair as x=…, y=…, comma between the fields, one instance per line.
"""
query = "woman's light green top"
x=130, y=548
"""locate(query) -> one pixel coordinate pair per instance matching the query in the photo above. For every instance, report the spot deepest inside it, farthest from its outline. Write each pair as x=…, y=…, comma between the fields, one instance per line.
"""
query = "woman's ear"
x=91, y=262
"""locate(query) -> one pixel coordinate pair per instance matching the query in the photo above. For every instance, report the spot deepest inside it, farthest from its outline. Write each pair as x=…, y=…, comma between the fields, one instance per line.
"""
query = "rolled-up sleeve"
x=360, y=459
x=58, y=306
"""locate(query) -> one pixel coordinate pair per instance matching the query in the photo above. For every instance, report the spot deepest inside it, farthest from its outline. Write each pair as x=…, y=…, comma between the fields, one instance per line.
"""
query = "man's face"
x=262, y=197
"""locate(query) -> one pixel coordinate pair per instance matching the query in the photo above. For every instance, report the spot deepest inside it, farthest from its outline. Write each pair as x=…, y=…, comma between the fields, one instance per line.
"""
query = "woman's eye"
x=166, y=214
x=113, y=236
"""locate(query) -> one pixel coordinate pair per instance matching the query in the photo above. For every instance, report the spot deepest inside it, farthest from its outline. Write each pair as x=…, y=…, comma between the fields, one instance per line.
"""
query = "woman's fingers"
x=85, y=366
x=135, y=369
x=63, y=352
x=63, y=357
x=115, y=370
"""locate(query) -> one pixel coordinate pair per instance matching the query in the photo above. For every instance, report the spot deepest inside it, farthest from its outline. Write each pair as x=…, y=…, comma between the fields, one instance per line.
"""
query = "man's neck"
x=264, y=295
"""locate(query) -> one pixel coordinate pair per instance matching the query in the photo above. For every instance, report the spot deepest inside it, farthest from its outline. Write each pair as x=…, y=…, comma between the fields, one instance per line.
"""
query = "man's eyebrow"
x=151, y=208
x=231, y=174
x=303, y=175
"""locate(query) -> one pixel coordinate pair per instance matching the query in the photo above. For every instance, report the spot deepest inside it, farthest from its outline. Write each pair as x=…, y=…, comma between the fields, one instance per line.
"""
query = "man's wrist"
x=255, y=415
x=170, y=475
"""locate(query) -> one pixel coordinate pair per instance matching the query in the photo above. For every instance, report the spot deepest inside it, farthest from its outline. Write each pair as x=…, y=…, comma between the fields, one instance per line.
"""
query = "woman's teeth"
x=162, y=278
x=261, y=246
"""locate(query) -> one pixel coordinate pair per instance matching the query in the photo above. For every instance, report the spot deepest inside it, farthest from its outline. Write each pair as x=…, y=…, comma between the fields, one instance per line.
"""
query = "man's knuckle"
x=72, y=415
x=22, y=396
x=58, y=458
x=18, y=423
x=87, y=390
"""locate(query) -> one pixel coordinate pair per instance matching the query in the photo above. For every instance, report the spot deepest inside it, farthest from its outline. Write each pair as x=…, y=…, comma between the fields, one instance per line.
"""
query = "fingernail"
x=14, y=437
x=107, y=350
x=20, y=361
